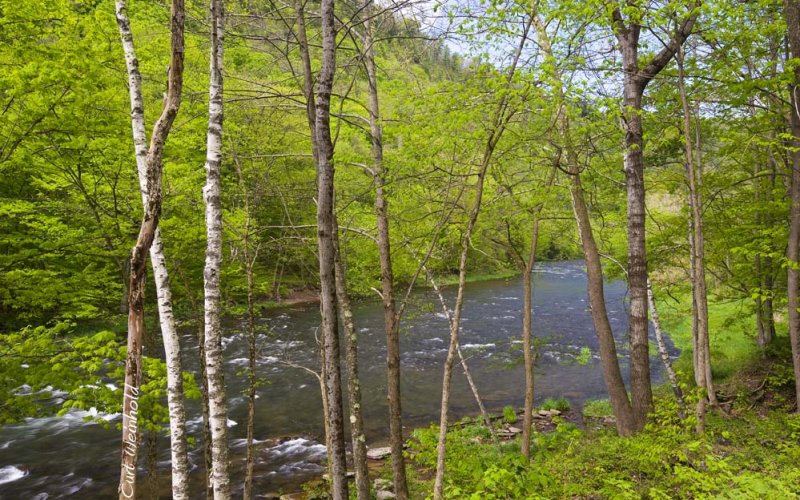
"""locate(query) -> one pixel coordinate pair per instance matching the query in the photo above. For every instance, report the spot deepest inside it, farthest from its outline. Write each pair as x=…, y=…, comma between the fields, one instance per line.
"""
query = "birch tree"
x=169, y=331
x=151, y=194
x=218, y=414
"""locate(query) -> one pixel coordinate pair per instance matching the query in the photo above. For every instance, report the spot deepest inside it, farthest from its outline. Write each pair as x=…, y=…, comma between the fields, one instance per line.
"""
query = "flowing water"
x=62, y=456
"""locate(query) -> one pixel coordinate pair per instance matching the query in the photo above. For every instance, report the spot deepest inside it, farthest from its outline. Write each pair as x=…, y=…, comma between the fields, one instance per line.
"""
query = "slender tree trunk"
x=251, y=372
x=147, y=231
x=327, y=254
x=218, y=414
x=353, y=381
x=662, y=350
x=249, y=262
x=697, y=352
x=201, y=357
x=792, y=15
x=623, y=411
x=169, y=330
x=612, y=375
x=152, y=464
x=470, y=381
x=527, y=339
x=452, y=351
x=762, y=337
x=333, y=282
x=391, y=319
x=501, y=116
x=208, y=463
x=699, y=292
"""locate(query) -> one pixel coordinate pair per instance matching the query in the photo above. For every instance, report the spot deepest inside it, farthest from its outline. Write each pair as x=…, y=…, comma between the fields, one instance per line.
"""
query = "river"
x=63, y=456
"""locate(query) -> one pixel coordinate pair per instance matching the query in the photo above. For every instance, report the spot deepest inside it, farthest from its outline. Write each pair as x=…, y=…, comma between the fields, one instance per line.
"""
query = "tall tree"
x=327, y=254
x=612, y=375
x=791, y=10
x=169, y=331
x=693, y=170
x=636, y=78
x=391, y=320
x=148, y=227
x=502, y=113
x=218, y=414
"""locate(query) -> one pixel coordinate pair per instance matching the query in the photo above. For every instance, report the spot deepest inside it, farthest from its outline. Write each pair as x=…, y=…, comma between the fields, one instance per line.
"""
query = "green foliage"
x=53, y=370
x=598, y=408
x=560, y=404
x=748, y=456
x=509, y=415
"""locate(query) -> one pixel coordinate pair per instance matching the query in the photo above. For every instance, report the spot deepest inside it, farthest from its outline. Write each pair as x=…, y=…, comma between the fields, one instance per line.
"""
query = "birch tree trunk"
x=218, y=415
x=169, y=331
x=327, y=254
x=792, y=15
x=149, y=225
x=662, y=350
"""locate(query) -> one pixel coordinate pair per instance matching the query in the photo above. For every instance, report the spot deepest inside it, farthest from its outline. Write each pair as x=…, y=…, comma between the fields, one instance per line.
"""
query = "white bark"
x=218, y=418
x=172, y=349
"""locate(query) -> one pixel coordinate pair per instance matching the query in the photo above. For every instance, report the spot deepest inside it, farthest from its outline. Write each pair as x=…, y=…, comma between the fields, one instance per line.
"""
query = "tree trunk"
x=249, y=262
x=452, y=351
x=662, y=350
x=470, y=381
x=327, y=254
x=634, y=84
x=641, y=392
x=390, y=317
x=699, y=292
x=207, y=460
x=623, y=411
x=147, y=230
x=612, y=375
x=527, y=340
x=218, y=414
x=792, y=15
x=353, y=381
x=169, y=331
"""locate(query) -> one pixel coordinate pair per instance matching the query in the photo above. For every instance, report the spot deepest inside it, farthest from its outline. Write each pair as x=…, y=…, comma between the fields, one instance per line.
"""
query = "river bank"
x=289, y=408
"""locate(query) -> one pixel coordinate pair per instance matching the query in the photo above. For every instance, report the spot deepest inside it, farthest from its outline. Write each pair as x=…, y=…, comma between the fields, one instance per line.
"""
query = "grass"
x=732, y=330
x=560, y=404
x=751, y=452
x=597, y=408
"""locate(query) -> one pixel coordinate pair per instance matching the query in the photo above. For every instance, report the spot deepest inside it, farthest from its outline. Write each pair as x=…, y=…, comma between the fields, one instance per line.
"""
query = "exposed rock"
x=383, y=489
x=549, y=413
x=382, y=484
x=514, y=430
x=379, y=453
